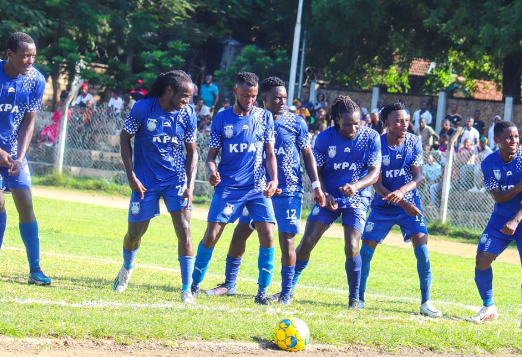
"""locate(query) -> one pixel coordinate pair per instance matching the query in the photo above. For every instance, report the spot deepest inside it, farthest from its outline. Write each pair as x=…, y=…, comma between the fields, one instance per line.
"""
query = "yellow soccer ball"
x=291, y=334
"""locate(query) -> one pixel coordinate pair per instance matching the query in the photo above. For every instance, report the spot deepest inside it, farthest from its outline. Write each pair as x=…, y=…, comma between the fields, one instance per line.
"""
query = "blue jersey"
x=347, y=161
x=159, y=141
x=397, y=163
x=503, y=175
x=242, y=141
x=291, y=136
x=18, y=96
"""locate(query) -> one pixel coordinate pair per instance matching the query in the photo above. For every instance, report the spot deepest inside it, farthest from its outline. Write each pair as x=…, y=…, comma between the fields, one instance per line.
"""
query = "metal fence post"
x=441, y=110
x=508, y=109
x=375, y=97
x=63, y=134
x=446, y=180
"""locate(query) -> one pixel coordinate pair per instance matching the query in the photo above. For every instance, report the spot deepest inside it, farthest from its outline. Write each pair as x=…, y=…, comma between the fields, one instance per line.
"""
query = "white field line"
x=250, y=280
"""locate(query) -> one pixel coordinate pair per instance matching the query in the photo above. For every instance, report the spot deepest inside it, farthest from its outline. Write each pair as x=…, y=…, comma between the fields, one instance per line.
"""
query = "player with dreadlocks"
x=291, y=139
x=397, y=201
x=163, y=125
x=348, y=158
x=244, y=134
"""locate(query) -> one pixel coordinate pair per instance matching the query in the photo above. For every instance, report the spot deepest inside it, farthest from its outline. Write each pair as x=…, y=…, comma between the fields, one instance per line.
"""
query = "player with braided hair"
x=348, y=158
x=397, y=201
x=163, y=125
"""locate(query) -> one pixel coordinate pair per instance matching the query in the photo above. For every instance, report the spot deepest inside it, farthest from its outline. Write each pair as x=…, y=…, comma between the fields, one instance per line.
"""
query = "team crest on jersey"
x=151, y=124
x=497, y=175
x=315, y=211
x=245, y=212
x=369, y=226
x=135, y=208
x=332, y=150
x=386, y=160
x=229, y=131
x=11, y=90
x=484, y=238
x=227, y=211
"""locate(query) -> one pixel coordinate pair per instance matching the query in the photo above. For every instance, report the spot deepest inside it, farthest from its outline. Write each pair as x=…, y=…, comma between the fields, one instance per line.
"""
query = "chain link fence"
x=92, y=149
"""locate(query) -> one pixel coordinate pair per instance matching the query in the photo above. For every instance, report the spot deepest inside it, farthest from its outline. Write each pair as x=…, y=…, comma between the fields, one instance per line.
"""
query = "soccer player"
x=503, y=179
x=22, y=88
x=291, y=138
x=163, y=125
x=397, y=201
x=243, y=133
x=348, y=159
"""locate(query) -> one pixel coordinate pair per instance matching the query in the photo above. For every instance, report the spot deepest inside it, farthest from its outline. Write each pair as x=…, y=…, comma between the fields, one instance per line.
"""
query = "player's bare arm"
x=398, y=195
x=311, y=170
x=5, y=159
x=271, y=169
x=126, y=156
x=368, y=180
x=213, y=174
x=24, y=139
x=511, y=226
x=507, y=195
x=191, y=168
x=329, y=199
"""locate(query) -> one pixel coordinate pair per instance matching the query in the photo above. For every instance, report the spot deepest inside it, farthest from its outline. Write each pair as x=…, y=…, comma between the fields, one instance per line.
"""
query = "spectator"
x=453, y=117
x=195, y=93
x=225, y=105
x=49, y=134
x=115, y=103
x=478, y=124
x=321, y=102
x=138, y=91
x=433, y=175
x=305, y=101
x=465, y=161
x=84, y=96
x=405, y=109
x=364, y=111
x=376, y=124
x=481, y=151
x=209, y=93
x=469, y=132
x=380, y=105
x=443, y=148
x=203, y=114
x=86, y=114
x=320, y=118
x=426, y=134
x=491, y=136
x=446, y=128
x=424, y=113
x=320, y=128
x=304, y=109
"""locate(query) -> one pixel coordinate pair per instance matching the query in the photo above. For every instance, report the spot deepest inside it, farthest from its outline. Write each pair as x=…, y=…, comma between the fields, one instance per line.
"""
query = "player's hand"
x=277, y=192
x=137, y=186
x=319, y=197
x=186, y=199
x=214, y=178
x=271, y=188
x=5, y=159
x=348, y=190
x=411, y=210
x=394, y=197
x=15, y=169
x=510, y=227
x=330, y=203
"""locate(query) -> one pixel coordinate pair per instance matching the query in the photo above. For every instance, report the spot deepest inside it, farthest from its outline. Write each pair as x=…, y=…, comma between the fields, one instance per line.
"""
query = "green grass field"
x=81, y=251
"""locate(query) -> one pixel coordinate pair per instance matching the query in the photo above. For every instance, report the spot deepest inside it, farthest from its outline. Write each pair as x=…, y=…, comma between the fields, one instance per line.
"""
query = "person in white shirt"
x=491, y=137
x=481, y=151
x=115, y=103
x=423, y=112
x=469, y=132
x=84, y=96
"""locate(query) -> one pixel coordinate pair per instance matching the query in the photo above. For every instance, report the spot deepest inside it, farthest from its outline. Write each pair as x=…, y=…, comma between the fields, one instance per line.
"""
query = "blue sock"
x=186, y=265
x=128, y=257
x=366, y=258
x=231, y=270
x=29, y=233
x=3, y=222
x=424, y=270
x=353, y=272
x=287, y=276
x=265, y=263
x=484, y=281
x=300, y=265
x=201, y=264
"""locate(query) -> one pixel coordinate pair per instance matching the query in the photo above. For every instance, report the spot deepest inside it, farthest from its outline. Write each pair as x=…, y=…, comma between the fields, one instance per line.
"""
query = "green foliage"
x=253, y=59
x=448, y=230
x=109, y=187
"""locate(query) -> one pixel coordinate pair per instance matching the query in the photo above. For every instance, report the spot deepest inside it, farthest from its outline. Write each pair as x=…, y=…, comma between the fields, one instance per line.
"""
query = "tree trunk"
x=55, y=80
x=512, y=76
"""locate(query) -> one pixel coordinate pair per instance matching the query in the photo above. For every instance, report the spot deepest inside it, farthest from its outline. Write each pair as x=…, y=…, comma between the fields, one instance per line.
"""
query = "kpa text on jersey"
x=8, y=107
x=241, y=147
x=395, y=173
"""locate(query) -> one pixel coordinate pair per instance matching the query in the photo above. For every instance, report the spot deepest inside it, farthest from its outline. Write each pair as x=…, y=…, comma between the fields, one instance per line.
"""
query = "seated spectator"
x=375, y=123
x=84, y=96
x=446, y=128
x=305, y=101
x=225, y=105
x=320, y=118
x=469, y=132
x=49, y=134
x=138, y=91
x=86, y=116
x=128, y=103
x=433, y=176
x=465, y=160
x=443, y=148
x=115, y=103
x=321, y=102
x=203, y=113
x=426, y=134
x=481, y=151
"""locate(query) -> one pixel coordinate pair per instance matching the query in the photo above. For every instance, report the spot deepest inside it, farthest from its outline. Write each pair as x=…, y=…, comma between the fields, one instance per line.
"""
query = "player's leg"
x=368, y=248
x=519, y=247
x=3, y=214
x=352, y=264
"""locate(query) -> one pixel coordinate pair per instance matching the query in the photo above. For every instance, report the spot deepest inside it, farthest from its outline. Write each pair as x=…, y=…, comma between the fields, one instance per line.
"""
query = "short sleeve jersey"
x=241, y=140
x=159, y=159
x=291, y=136
x=347, y=161
x=396, y=169
x=18, y=96
x=503, y=175
x=208, y=93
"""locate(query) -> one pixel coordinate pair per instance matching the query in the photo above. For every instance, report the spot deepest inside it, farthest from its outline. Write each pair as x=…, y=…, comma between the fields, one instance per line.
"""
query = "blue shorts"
x=228, y=210
x=380, y=222
x=148, y=207
x=352, y=217
x=21, y=181
x=494, y=241
x=287, y=213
